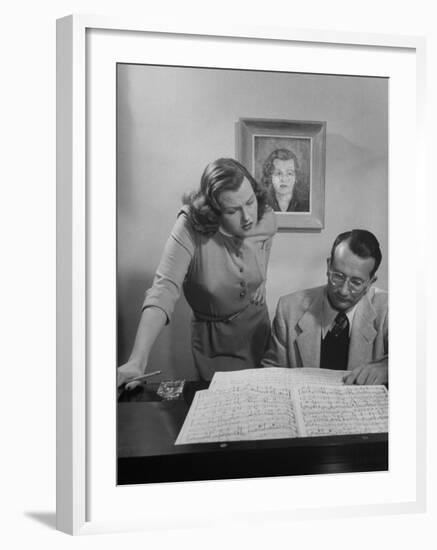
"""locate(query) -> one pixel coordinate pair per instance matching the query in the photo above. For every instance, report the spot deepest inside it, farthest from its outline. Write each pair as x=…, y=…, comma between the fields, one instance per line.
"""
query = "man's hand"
x=371, y=374
x=126, y=372
x=259, y=296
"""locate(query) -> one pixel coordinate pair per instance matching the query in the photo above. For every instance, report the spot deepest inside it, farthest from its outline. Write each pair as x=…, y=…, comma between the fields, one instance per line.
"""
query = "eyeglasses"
x=355, y=285
x=288, y=174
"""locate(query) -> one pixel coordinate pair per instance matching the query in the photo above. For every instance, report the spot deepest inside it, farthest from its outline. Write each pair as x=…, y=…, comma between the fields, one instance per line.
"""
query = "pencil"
x=144, y=376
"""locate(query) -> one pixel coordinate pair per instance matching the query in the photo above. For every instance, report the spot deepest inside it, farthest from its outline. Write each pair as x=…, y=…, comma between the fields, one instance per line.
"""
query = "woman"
x=218, y=253
x=285, y=191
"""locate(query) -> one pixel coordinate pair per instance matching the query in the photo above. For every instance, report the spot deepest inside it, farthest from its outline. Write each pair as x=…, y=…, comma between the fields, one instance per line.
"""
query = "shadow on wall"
x=44, y=518
x=171, y=353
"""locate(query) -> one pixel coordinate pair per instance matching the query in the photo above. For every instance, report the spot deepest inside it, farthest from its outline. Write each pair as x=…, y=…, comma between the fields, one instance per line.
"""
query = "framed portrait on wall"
x=288, y=158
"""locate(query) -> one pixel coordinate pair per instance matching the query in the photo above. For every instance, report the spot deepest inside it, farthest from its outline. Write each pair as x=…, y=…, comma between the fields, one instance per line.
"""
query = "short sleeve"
x=173, y=267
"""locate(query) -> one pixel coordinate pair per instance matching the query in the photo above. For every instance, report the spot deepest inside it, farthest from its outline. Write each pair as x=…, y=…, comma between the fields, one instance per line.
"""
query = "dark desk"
x=147, y=428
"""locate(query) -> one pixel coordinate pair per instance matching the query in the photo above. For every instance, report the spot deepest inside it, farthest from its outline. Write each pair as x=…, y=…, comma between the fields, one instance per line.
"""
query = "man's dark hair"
x=362, y=243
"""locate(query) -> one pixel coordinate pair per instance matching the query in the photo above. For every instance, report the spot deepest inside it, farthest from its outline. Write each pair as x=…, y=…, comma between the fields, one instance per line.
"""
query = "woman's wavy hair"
x=224, y=174
x=268, y=167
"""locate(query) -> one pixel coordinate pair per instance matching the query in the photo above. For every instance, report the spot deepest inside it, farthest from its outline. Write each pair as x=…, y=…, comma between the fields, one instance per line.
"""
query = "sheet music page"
x=274, y=376
x=250, y=378
x=270, y=414
x=307, y=375
x=341, y=410
x=238, y=416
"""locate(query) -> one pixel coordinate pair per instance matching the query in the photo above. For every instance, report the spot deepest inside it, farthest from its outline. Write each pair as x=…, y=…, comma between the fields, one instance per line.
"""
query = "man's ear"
x=328, y=263
x=372, y=280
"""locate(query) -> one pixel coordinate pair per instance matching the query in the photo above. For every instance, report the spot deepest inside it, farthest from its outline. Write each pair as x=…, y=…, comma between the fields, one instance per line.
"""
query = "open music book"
x=272, y=403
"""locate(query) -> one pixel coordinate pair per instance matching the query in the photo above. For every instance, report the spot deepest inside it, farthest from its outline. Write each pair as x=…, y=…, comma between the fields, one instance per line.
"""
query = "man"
x=342, y=325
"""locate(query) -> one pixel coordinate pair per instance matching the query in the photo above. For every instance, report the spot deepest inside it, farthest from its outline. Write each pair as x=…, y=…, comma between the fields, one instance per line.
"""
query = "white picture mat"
x=200, y=503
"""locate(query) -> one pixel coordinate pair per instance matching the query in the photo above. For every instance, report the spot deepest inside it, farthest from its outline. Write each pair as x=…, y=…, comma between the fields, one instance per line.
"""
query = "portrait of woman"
x=286, y=192
x=217, y=254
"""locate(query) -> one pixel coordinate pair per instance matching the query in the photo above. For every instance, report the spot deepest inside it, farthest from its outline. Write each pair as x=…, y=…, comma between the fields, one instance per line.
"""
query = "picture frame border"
x=71, y=292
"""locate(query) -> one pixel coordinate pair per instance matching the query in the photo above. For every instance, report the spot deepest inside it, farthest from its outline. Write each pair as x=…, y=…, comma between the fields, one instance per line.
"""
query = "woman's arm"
x=151, y=323
x=161, y=297
x=266, y=226
x=259, y=296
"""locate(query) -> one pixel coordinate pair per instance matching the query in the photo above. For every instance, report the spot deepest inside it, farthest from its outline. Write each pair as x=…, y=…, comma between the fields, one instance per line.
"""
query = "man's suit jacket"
x=297, y=330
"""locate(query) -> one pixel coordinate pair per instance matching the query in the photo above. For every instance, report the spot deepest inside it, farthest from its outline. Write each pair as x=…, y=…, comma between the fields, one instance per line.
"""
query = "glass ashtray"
x=171, y=389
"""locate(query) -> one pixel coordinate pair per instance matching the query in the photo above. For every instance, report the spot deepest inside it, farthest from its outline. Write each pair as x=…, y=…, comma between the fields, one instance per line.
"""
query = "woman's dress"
x=218, y=274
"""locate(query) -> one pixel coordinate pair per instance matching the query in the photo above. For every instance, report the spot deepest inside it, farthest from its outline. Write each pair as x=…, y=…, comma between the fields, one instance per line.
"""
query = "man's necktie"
x=335, y=346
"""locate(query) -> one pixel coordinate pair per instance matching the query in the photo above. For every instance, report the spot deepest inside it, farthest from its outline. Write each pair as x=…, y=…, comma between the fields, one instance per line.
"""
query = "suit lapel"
x=363, y=334
x=310, y=332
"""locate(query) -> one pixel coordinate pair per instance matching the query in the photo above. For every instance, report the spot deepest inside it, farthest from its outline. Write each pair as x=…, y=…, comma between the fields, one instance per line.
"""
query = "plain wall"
x=172, y=121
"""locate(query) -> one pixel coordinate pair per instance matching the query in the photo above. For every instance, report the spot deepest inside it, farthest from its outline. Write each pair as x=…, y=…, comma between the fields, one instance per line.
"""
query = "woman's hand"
x=259, y=296
x=151, y=322
x=127, y=372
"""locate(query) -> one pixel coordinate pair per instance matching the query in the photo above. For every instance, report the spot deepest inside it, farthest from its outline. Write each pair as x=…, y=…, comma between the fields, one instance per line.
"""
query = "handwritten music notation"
x=238, y=416
x=331, y=410
x=276, y=403
x=275, y=376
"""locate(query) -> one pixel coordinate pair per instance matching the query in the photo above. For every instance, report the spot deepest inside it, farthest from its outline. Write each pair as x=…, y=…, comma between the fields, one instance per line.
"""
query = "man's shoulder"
x=301, y=300
x=378, y=298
